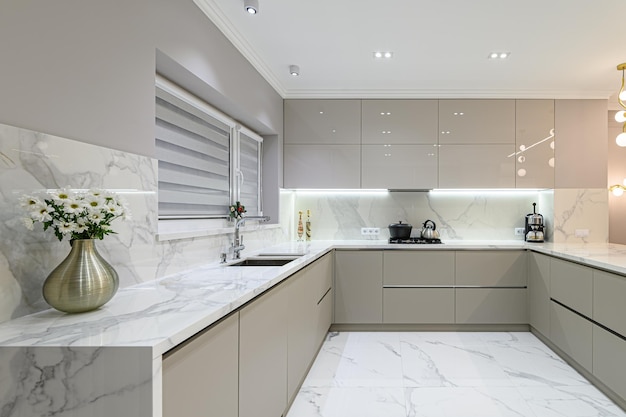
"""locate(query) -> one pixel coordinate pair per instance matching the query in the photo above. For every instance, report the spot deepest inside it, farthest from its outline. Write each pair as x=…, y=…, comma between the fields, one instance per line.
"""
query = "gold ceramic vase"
x=83, y=282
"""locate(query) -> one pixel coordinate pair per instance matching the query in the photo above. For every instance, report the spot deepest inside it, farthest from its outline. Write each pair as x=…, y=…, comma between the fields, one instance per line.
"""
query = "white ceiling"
x=559, y=48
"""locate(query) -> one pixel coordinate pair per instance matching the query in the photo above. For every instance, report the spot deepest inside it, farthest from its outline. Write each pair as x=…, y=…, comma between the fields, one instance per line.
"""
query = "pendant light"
x=620, y=116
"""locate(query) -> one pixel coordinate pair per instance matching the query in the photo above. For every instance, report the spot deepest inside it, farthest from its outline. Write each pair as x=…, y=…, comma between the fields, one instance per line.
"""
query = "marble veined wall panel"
x=581, y=210
x=467, y=215
x=32, y=161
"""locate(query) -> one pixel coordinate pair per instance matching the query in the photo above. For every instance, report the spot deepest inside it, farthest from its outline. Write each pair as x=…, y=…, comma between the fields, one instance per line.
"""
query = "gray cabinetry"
x=609, y=300
x=399, y=122
x=322, y=144
x=609, y=365
x=418, y=287
x=263, y=355
x=476, y=121
x=534, y=144
x=572, y=334
x=539, y=292
x=358, y=286
x=322, y=122
x=200, y=377
x=399, y=166
x=309, y=315
x=491, y=287
x=572, y=285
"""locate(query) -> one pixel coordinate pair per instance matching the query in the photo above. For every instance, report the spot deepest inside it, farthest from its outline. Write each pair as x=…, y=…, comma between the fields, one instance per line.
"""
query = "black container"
x=400, y=230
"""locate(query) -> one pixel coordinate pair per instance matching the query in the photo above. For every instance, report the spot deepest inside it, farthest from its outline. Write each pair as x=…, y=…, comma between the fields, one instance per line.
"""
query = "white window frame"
x=180, y=228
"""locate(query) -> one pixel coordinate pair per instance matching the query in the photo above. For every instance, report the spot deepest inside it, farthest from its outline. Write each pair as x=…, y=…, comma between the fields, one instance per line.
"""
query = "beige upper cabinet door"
x=476, y=121
x=476, y=166
x=534, y=144
x=399, y=121
x=399, y=166
x=322, y=121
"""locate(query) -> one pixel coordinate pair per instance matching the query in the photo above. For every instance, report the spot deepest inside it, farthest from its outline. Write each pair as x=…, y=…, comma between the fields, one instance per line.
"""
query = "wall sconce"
x=251, y=6
x=620, y=116
x=618, y=189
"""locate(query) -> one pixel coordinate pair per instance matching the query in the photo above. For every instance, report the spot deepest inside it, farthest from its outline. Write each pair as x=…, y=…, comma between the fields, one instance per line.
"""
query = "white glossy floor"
x=444, y=374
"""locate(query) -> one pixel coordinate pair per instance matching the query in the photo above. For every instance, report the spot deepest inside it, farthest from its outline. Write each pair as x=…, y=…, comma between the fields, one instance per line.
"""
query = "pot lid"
x=400, y=224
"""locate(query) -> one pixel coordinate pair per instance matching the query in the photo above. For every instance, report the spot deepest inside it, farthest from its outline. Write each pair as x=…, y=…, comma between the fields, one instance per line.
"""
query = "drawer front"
x=491, y=268
x=609, y=365
x=572, y=334
x=491, y=306
x=609, y=294
x=418, y=268
x=572, y=284
x=418, y=305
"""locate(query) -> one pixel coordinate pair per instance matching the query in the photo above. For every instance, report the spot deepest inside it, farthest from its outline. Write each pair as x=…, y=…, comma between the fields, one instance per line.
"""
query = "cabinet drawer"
x=572, y=284
x=609, y=365
x=418, y=305
x=491, y=306
x=609, y=294
x=572, y=334
x=491, y=268
x=418, y=268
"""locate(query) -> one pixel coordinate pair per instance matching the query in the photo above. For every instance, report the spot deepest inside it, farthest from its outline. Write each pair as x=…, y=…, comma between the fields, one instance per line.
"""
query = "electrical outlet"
x=581, y=232
x=370, y=231
x=519, y=231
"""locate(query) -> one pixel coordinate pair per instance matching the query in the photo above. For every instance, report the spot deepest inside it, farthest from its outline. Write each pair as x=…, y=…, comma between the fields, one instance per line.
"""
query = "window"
x=206, y=160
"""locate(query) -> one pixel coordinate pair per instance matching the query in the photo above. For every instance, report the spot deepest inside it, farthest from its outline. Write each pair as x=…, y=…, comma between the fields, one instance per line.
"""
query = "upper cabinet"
x=399, y=122
x=317, y=122
x=534, y=144
x=476, y=121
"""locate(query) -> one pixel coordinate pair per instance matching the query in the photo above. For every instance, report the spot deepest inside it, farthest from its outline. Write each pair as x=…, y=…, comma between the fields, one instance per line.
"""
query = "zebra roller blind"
x=193, y=149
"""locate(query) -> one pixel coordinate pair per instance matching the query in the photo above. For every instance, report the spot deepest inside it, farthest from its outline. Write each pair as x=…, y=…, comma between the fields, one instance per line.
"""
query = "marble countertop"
x=163, y=313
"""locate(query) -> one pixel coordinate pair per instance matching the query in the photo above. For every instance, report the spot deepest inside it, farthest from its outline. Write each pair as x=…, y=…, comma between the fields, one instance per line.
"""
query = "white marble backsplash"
x=581, y=210
x=471, y=215
x=31, y=162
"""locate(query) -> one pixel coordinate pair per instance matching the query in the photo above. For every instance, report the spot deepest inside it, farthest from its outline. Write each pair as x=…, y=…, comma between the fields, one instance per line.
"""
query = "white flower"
x=40, y=212
x=80, y=225
x=95, y=216
x=94, y=202
x=73, y=206
x=65, y=227
x=27, y=202
x=62, y=195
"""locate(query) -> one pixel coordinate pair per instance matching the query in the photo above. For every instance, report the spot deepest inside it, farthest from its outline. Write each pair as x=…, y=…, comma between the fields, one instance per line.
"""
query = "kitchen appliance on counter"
x=534, y=227
x=429, y=231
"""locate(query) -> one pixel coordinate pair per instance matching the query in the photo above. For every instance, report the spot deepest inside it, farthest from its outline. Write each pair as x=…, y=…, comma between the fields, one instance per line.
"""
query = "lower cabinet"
x=418, y=305
x=308, y=319
x=539, y=292
x=491, y=306
x=358, y=286
x=572, y=334
x=263, y=355
x=609, y=365
x=200, y=377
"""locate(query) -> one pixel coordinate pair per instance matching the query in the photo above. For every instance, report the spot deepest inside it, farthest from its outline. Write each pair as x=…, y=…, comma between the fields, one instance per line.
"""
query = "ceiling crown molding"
x=220, y=20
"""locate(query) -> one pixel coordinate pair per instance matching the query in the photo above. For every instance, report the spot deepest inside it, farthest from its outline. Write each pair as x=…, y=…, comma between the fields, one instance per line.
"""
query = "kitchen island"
x=109, y=361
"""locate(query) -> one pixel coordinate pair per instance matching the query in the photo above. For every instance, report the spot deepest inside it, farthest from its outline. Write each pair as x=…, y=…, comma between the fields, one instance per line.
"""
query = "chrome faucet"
x=238, y=245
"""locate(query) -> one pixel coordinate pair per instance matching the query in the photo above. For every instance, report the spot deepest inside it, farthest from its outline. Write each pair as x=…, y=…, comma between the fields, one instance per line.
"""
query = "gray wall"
x=84, y=70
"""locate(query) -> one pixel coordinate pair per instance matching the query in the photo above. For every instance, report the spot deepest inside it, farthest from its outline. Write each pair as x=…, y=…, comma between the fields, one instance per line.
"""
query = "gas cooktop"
x=415, y=240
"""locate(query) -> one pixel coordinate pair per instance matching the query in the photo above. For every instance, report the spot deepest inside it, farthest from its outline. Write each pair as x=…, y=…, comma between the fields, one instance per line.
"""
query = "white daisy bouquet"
x=79, y=215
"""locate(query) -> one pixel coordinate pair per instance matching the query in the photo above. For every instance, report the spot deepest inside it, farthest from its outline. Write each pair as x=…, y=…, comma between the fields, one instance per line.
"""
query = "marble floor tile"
x=441, y=374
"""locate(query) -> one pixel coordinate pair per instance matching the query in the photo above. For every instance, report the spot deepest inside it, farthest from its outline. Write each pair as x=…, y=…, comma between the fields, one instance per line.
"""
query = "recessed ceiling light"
x=383, y=54
x=499, y=55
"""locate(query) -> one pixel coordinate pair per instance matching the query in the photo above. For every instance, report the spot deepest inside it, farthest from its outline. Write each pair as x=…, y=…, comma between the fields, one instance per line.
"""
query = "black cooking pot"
x=400, y=230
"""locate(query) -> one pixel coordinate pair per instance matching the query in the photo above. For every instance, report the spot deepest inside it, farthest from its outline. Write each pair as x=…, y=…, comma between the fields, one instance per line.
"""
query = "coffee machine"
x=534, y=226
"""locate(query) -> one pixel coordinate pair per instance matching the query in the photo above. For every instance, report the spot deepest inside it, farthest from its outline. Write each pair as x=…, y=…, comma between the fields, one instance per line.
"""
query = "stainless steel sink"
x=265, y=261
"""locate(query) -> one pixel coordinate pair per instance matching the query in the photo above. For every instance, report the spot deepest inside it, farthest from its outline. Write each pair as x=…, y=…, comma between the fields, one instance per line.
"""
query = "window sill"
x=166, y=235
